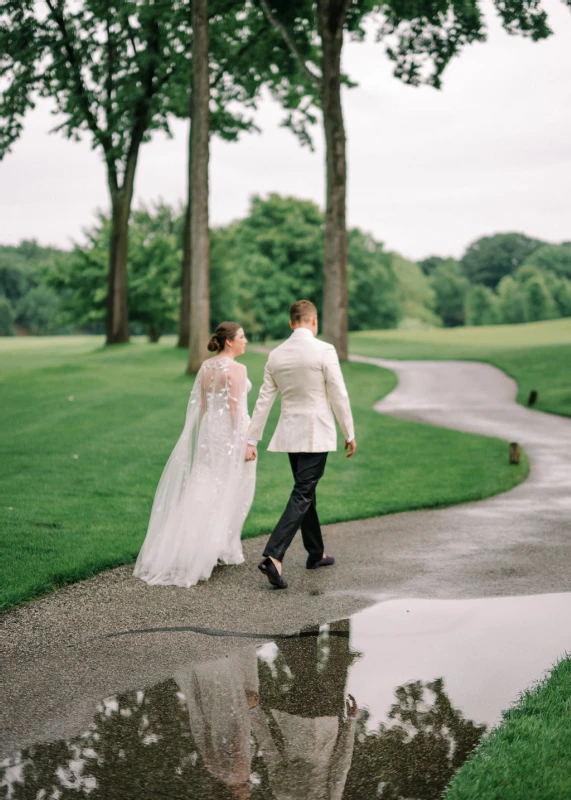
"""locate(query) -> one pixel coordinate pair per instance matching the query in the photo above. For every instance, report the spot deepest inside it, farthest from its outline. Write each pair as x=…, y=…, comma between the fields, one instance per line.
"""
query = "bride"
x=206, y=489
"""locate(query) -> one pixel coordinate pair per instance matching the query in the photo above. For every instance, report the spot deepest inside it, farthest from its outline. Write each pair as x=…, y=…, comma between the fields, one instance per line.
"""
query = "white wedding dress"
x=207, y=488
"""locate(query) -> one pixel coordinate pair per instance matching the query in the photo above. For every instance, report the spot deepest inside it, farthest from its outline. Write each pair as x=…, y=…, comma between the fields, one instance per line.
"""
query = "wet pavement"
x=114, y=636
x=386, y=704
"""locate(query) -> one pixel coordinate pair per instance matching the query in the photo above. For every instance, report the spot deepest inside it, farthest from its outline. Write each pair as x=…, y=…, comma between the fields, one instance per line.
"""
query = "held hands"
x=352, y=445
x=251, y=453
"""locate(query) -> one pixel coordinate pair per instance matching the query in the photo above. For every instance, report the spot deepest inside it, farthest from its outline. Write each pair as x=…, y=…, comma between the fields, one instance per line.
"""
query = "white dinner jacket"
x=307, y=374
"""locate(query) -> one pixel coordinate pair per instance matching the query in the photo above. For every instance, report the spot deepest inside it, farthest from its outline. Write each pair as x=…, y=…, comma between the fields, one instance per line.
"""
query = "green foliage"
x=527, y=756
x=154, y=256
x=107, y=66
x=533, y=294
x=538, y=301
x=276, y=253
x=428, y=265
x=450, y=289
x=553, y=257
x=16, y=274
x=37, y=310
x=373, y=287
x=510, y=300
x=259, y=266
x=488, y=259
x=425, y=36
x=34, y=305
x=6, y=317
x=481, y=306
x=415, y=293
x=275, y=256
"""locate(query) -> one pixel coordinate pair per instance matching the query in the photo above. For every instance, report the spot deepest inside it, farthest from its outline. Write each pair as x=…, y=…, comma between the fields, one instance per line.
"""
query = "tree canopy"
x=489, y=258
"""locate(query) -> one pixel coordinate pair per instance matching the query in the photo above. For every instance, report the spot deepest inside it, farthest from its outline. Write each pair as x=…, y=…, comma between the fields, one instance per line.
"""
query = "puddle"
x=387, y=704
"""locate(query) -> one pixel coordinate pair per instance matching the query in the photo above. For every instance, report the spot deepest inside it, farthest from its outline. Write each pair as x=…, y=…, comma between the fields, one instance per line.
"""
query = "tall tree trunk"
x=117, y=322
x=199, y=232
x=331, y=20
x=184, y=316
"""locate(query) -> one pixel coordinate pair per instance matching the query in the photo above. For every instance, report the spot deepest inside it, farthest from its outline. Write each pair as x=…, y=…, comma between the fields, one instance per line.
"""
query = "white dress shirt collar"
x=302, y=331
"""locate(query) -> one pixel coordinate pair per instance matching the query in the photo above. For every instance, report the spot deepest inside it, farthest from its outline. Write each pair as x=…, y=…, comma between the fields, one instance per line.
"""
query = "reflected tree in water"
x=139, y=745
x=417, y=755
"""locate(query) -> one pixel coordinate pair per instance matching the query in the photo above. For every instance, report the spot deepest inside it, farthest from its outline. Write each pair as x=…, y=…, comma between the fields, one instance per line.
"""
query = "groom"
x=307, y=374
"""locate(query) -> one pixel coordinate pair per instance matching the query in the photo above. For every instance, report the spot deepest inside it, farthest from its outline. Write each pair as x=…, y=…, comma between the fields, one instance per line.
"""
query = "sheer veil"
x=178, y=468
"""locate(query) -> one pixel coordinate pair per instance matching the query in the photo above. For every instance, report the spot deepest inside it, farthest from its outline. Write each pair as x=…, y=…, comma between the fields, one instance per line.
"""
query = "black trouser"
x=300, y=511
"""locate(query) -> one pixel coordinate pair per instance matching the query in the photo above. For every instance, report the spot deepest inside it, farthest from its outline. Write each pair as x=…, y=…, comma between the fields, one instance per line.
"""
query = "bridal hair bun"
x=213, y=344
x=226, y=331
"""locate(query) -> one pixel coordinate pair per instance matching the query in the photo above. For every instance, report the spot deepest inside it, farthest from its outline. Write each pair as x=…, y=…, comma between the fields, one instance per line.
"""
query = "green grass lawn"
x=537, y=355
x=528, y=756
x=87, y=431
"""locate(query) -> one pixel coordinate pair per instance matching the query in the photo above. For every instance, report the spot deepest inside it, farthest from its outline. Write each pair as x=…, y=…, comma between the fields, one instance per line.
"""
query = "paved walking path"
x=61, y=659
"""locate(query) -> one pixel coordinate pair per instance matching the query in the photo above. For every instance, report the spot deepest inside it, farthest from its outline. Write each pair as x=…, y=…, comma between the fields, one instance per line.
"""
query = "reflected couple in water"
x=274, y=721
x=285, y=703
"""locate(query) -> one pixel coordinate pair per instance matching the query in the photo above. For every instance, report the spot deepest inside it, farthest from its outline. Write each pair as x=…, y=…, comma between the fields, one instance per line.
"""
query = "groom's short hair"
x=302, y=310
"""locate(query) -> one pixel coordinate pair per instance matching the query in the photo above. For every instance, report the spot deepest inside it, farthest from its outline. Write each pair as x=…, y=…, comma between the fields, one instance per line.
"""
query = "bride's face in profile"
x=237, y=347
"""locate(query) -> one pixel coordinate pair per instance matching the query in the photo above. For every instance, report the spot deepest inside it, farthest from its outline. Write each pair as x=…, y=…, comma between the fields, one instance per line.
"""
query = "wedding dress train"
x=206, y=489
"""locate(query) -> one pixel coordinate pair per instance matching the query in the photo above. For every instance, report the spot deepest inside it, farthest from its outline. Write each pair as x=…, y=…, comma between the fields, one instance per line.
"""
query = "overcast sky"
x=429, y=171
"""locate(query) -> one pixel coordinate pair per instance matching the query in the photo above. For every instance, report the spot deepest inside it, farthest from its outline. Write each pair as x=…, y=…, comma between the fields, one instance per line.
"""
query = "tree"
x=236, y=77
x=154, y=256
x=538, y=302
x=37, y=310
x=200, y=149
x=271, y=258
x=488, y=259
x=481, y=306
x=554, y=257
x=328, y=19
x=560, y=290
x=34, y=305
x=510, y=301
x=416, y=295
x=450, y=288
x=6, y=317
x=106, y=65
x=428, y=265
x=373, y=287
x=416, y=753
x=274, y=256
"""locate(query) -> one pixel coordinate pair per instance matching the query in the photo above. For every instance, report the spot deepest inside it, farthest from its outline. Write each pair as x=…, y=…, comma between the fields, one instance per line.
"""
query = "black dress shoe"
x=323, y=562
x=270, y=570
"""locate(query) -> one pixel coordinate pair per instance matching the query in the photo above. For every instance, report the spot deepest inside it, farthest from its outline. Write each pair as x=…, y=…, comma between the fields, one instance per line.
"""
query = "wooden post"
x=514, y=453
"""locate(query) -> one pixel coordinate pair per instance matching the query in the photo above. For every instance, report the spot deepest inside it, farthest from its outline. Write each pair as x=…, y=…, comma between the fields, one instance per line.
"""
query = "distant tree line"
x=261, y=262
x=502, y=279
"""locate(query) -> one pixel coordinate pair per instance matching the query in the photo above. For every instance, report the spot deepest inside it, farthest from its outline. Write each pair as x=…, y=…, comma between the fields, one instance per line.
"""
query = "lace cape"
x=206, y=488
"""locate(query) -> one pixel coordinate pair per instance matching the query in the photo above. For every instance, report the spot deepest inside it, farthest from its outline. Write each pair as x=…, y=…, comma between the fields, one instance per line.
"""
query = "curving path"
x=61, y=656
x=479, y=398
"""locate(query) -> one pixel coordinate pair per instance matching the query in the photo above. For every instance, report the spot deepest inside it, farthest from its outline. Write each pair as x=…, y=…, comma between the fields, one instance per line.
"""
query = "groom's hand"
x=251, y=453
x=352, y=445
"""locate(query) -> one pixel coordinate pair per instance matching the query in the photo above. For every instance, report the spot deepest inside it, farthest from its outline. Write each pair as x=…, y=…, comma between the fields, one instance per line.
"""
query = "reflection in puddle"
x=379, y=706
